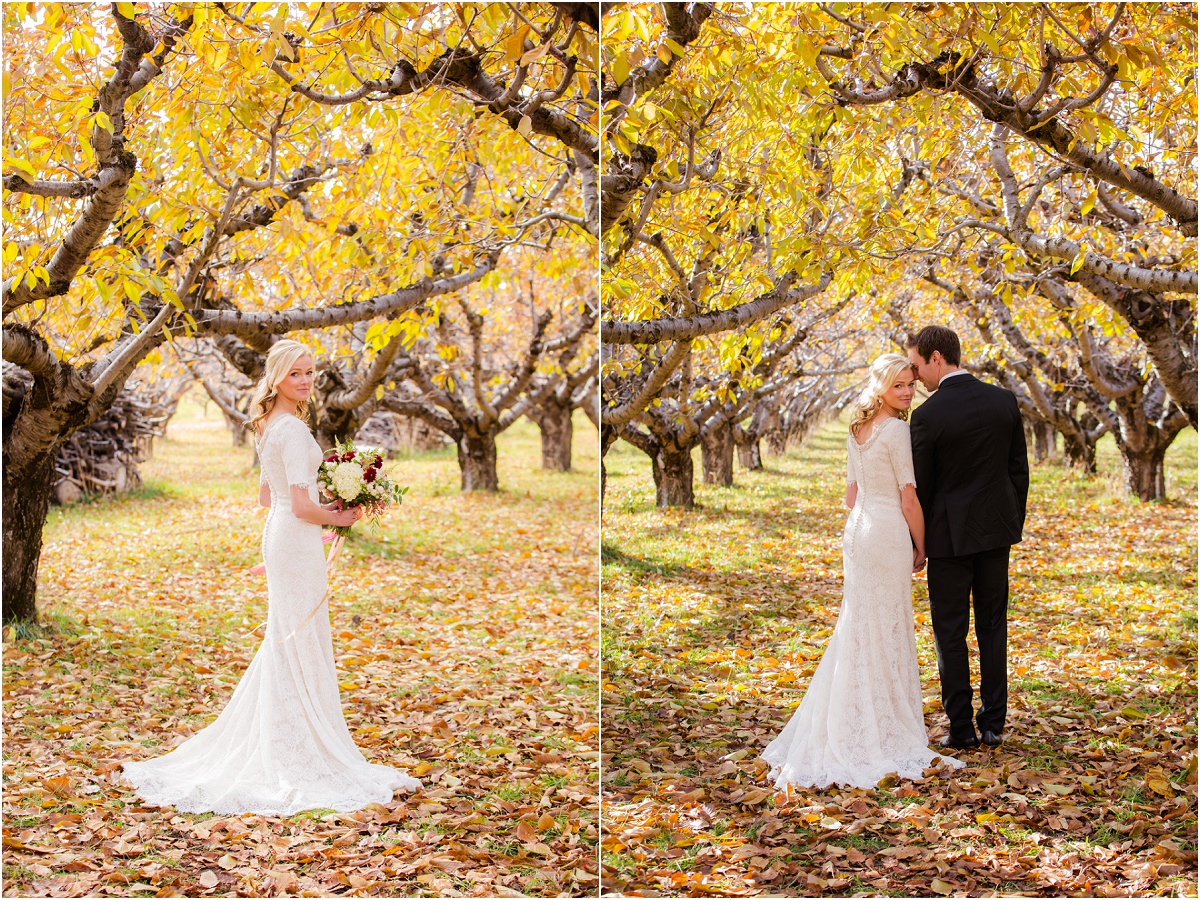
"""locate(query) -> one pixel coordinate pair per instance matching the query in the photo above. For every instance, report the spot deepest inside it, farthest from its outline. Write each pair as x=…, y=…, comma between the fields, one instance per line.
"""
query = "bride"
x=861, y=717
x=281, y=746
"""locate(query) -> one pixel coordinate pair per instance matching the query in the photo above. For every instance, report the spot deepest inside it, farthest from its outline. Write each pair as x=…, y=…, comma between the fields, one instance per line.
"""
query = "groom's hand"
x=918, y=560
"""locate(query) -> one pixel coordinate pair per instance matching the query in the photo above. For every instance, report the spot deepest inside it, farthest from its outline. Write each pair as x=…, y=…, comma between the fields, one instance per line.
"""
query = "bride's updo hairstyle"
x=884, y=372
x=280, y=359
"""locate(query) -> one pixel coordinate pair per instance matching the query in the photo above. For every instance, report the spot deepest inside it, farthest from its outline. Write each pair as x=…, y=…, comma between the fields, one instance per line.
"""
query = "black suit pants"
x=953, y=581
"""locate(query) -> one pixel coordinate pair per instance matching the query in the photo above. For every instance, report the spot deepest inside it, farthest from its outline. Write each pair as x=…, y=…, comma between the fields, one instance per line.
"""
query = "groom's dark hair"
x=939, y=338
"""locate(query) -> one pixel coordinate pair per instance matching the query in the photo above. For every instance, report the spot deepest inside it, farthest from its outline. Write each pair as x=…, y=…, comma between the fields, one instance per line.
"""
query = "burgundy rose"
x=369, y=475
x=348, y=456
x=378, y=462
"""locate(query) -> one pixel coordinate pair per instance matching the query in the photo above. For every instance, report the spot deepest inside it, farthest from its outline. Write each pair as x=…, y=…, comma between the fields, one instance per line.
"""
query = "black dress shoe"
x=992, y=738
x=949, y=743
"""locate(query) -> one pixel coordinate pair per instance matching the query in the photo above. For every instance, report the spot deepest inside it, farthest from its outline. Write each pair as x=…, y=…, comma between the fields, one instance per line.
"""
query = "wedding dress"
x=281, y=745
x=861, y=717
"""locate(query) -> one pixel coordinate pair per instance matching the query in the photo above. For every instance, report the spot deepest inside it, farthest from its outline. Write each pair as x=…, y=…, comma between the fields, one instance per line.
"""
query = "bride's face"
x=899, y=395
x=296, y=386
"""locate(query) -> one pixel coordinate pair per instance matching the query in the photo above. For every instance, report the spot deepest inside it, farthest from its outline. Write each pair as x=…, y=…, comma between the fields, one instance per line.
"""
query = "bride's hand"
x=343, y=517
x=918, y=559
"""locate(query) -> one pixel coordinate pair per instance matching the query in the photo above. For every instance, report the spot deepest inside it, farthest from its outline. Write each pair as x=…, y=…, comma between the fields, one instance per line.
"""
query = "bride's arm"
x=911, y=507
x=306, y=510
x=851, y=494
x=264, y=495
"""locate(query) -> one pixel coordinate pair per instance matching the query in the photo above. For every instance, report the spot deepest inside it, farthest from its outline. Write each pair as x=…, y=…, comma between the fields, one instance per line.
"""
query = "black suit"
x=973, y=482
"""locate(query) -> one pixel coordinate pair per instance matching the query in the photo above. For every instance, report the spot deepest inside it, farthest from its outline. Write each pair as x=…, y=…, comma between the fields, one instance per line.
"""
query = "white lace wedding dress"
x=281, y=745
x=861, y=717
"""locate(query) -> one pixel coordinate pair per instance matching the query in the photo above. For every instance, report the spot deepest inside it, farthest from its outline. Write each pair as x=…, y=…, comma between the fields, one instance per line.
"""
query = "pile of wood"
x=104, y=457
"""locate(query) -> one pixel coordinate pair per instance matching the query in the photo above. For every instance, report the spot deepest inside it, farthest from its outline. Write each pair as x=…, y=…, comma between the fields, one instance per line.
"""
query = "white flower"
x=347, y=480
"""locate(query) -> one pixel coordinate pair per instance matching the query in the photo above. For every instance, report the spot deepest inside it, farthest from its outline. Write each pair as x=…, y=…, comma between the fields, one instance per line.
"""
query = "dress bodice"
x=882, y=464
x=288, y=456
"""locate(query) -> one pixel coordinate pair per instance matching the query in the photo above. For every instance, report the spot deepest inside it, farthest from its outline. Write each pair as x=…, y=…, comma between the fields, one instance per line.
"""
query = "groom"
x=968, y=448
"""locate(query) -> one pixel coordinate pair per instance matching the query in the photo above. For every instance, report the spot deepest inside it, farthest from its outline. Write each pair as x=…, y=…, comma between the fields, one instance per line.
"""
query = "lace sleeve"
x=293, y=445
x=851, y=465
x=900, y=451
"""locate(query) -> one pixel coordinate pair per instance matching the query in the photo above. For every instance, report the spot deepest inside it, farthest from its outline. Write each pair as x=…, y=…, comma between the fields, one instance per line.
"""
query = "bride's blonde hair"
x=280, y=359
x=884, y=372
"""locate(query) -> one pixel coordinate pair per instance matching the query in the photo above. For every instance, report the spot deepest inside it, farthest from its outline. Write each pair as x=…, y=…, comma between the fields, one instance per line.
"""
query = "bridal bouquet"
x=356, y=478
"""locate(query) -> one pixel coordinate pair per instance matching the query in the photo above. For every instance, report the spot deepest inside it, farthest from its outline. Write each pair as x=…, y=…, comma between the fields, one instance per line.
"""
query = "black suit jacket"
x=970, y=462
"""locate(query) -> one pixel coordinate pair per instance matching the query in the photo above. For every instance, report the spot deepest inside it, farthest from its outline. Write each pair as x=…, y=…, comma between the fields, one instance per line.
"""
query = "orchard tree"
x=473, y=382
x=1044, y=154
x=257, y=212
x=572, y=388
x=1099, y=100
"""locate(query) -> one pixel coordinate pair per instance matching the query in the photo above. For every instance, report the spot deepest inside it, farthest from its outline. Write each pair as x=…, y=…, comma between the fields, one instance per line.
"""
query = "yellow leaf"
x=620, y=68
x=22, y=166
x=104, y=121
x=1157, y=781
x=514, y=47
x=535, y=54
x=525, y=126
x=125, y=9
x=940, y=887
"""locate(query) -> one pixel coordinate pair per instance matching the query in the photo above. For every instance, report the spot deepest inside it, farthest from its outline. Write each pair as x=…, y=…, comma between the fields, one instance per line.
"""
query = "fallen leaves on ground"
x=464, y=633
x=715, y=620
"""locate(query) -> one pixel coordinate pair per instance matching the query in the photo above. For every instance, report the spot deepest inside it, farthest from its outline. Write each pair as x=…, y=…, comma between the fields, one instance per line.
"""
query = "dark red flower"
x=378, y=461
x=369, y=475
x=331, y=458
x=347, y=456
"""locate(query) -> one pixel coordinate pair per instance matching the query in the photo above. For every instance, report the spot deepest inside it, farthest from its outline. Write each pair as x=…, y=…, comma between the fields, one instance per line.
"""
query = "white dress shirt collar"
x=942, y=380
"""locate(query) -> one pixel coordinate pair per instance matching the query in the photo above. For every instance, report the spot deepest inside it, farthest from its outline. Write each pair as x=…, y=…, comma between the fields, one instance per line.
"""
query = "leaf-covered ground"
x=464, y=633
x=714, y=622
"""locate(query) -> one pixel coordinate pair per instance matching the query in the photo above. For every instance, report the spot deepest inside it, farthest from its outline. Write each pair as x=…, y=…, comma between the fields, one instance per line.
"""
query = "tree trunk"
x=672, y=469
x=239, y=432
x=777, y=442
x=554, y=422
x=1040, y=436
x=748, y=449
x=716, y=455
x=608, y=437
x=477, y=460
x=1080, y=454
x=1142, y=471
x=750, y=456
x=26, y=502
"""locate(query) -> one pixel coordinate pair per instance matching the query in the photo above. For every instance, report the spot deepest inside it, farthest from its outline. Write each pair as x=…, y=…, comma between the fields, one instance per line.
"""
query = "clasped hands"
x=919, y=559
